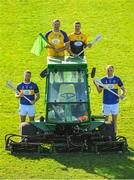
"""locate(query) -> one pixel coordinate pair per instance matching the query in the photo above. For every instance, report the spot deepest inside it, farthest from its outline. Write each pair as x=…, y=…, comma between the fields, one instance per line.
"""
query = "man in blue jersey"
x=110, y=100
x=29, y=90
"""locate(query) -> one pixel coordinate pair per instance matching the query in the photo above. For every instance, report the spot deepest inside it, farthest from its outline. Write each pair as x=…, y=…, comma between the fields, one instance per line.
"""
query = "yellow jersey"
x=77, y=42
x=58, y=40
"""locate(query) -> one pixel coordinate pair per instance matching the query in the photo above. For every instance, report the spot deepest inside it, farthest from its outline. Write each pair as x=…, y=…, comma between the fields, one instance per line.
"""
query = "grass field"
x=21, y=21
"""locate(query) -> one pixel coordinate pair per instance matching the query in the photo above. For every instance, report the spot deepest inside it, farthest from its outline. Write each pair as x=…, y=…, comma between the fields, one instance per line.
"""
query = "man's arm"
x=66, y=47
x=50, y=46
x=70, y=51
x=66, y=42
x=58, y=49
x=99, y=89
x=19, y=95
x=89, y=45
x=123, y=91
x=37, y=97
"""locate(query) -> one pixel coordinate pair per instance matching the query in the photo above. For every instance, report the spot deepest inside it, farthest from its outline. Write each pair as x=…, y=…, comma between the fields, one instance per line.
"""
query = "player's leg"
x=114, y=111
x=22, y=112
x=31, y=118
x=22, y=118
x=114, y=122
x=31, y=112
x=106, y=112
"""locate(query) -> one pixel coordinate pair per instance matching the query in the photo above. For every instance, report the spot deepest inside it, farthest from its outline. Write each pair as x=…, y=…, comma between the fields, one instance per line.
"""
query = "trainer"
x=77, y=40
x=111, y=101
x=31, y=91
x=57, y=39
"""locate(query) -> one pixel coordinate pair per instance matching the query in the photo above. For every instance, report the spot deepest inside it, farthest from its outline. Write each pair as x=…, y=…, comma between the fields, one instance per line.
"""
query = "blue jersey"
x=29, y=90
x=112, y=83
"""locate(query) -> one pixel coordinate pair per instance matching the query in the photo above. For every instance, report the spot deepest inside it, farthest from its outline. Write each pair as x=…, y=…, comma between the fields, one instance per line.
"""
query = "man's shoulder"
x=116, y=77
x=48, y=32
x=63, y=32
x=65, y=36
x=33, y=83
x=71, y=34
x=83, y=34
x=20, y=84
x=35, y=87
x=104, y=78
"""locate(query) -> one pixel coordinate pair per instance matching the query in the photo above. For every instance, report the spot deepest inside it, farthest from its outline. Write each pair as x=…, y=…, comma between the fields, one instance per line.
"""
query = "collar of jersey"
x=27, y=83
x=56, y=31
x=77, y=34
x=110, y=77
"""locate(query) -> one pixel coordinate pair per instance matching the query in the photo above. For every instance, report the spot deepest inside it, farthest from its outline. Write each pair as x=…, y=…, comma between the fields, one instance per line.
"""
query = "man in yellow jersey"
x=57, y=39
x=78, y=40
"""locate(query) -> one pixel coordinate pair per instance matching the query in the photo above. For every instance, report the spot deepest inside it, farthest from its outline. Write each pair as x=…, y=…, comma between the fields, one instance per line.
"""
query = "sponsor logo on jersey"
x=110, y=86
x=78, y=43
x=55, y=41
x=26, y=92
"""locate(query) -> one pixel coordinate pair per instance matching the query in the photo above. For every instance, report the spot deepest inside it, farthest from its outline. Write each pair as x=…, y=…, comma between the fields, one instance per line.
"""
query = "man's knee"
x=31, y=118
x=22, y=118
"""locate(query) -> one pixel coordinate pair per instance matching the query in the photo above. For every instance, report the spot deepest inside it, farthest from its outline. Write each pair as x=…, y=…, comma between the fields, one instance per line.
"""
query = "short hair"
x=110, y=66
x=77, y=22
x=56, y=20
x=27, y=71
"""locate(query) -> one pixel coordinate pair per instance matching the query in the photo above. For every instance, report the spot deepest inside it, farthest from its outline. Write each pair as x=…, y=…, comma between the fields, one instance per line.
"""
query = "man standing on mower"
x=57, y=39
x=30, y=91
x=110, y=100
x=77, y=40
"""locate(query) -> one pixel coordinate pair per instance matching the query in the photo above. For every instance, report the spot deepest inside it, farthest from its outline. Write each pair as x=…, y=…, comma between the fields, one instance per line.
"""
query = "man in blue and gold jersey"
x=110, y=100
x=57, y=40
x=77, y=40
x=29, y=90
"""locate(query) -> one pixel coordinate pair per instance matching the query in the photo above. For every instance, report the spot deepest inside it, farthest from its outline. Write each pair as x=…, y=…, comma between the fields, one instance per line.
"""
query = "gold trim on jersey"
x=112, y=86
x=27, y=91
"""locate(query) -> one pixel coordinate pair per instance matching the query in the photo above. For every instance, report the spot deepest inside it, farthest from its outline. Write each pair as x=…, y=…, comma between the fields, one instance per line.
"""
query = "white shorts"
x=27, y=110
x=110, y=109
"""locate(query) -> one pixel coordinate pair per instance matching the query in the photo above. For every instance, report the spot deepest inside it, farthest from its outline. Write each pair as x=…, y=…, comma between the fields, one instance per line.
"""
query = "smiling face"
x=56, y=25
x=110, y=70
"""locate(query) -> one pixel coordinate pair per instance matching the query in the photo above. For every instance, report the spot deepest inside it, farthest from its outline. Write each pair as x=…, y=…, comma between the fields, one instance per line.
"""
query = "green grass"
x=21, y=21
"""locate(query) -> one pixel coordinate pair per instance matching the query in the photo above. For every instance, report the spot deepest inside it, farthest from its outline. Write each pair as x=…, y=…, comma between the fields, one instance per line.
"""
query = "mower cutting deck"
x=68, y=125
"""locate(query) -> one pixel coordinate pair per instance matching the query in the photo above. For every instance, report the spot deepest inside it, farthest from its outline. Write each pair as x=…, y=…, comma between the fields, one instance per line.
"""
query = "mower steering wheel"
x=67, y=95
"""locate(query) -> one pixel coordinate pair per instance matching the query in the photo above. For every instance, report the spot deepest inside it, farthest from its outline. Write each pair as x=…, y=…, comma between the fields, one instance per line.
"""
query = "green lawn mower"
x=68, y=125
